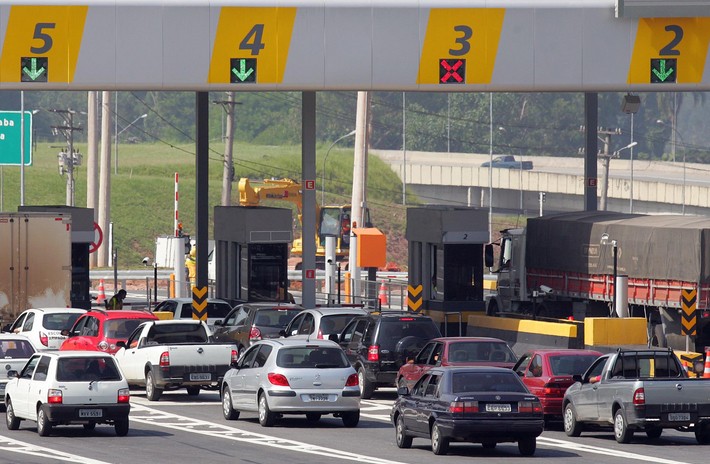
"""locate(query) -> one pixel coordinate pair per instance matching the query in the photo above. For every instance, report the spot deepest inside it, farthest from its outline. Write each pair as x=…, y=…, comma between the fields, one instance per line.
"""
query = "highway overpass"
x=458, y=179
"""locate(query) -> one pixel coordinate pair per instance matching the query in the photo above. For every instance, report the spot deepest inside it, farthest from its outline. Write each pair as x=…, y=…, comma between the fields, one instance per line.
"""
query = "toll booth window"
x=267, y=269
x=463, y=272
x=330, y=223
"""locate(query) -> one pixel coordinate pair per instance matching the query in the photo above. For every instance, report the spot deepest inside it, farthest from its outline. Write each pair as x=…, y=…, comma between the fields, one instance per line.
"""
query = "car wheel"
x=266, y=417
x=439, y=443
x=403, y=440
x=351, y=418
x=312, y=416
x=13, y=423
x=121, y=427
x=152, y=392
x=527, y=446
x=366, y=387
x=227, y=407
x=622, y=433
x=489, y=444
x=702, y=434
x=193, y=390
x=90, y=426
x=44, y=427
x=572, y=427
x=654, y=433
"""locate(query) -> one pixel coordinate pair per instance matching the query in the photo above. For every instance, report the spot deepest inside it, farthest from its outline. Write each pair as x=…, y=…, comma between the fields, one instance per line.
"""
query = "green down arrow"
x=662, y=74
x=242, y=73
x=33, y=73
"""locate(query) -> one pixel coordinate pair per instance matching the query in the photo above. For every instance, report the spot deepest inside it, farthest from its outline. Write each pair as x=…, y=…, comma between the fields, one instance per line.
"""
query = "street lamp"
x=322, y=183
x=631, y=105
x=142, y=116
x=675, y=134
x=604, y=241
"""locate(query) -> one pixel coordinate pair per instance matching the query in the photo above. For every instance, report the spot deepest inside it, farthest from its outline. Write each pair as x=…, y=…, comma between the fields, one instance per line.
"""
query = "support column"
x=308, y=166
x=202, y=173
x=591, y=101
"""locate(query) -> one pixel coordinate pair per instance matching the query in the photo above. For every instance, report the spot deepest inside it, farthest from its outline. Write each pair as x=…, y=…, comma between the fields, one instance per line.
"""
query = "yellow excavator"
x=332, y=220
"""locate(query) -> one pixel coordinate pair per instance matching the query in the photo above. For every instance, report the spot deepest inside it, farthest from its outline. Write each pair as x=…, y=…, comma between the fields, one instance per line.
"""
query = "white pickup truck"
x=164, y=355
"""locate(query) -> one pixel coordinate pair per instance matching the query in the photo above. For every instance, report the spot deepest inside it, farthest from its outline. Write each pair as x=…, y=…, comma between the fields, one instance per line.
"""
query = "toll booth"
x=82, y=236
x=446, y=258
x=251, y=252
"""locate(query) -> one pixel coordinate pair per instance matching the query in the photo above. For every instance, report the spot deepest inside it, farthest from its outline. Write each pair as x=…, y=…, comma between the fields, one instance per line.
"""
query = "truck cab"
x=512, y=288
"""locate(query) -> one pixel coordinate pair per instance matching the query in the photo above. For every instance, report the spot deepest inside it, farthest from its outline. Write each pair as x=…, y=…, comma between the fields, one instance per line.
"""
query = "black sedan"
x=487, y=405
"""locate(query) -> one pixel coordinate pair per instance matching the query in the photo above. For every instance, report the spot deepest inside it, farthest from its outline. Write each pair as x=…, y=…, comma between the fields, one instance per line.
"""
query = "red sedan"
x=548, y=374
x=456, y=351
x=100, y=329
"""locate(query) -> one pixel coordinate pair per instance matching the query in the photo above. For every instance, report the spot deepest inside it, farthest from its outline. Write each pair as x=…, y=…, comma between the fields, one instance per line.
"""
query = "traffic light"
x=179, y=229
x=188, y=246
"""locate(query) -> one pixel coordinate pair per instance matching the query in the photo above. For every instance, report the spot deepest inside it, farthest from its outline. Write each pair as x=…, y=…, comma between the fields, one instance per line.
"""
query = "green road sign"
x=10, y=138
x=663, y=70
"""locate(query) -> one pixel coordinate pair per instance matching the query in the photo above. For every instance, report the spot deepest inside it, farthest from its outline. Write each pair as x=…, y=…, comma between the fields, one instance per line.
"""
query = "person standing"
x=116, y=301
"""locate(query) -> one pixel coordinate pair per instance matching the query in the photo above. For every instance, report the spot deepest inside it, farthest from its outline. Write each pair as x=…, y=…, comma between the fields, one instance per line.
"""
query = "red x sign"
x=452, y=71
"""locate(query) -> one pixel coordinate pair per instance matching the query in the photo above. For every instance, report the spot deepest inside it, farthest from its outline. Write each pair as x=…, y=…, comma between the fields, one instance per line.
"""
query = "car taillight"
x=235, y=356
x=54, y=396
x=553, y=390
x=352, y=381
x=639, y=397
x=124, y=395
x=254, y=334
x=463, y=407
x=165, y=359
x=373, y=353
x=103, y=345
x=43, y=339
x=279, y=380
x=320, y=334
x=529, y=406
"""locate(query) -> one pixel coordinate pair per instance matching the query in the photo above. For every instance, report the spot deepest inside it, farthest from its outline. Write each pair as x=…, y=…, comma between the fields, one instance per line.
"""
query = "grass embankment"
x=141, y=206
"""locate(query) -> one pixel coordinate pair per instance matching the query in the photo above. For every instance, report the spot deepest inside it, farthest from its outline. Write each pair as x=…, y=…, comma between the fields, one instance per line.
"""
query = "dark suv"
x=379, y=343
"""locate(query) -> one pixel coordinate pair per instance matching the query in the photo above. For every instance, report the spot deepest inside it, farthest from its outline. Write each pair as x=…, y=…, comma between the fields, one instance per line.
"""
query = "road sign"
x=199, y=303
x=663, y=71
x=34, y=69
x=452, y=71
x=242, y=70
x=689, y=302
x=414, y=297
x=11, y=135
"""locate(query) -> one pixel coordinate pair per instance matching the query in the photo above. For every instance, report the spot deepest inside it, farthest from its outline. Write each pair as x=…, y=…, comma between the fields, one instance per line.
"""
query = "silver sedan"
x=284, y=376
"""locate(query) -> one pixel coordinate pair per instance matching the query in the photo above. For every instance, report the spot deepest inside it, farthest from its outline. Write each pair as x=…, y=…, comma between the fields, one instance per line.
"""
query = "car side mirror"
x=65, y=333
x=121, y=344
x=234, y=365
x=282, y=333
x=577, y=378
x=403, y=391
x=13, y=374
x=334, y=338
x=218, y=323
x=488, y=255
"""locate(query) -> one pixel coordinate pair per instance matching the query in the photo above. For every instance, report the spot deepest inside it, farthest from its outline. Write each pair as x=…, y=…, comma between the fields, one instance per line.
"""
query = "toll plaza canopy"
x=432, y=45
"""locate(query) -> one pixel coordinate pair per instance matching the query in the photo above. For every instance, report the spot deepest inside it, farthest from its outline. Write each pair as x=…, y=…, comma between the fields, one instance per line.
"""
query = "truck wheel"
x=527, y=446
x=654, y=432
x=12, y=421
x=622, y=433
x=121, y=427
x=44, y=427
x=572, y=427
x=403, y=440
x=351, y=418
x=702, y=434
x=439, y=443
x=366, y=388
x=193, y=390
x=266, y=417
x=227, y=407
x=152, y=392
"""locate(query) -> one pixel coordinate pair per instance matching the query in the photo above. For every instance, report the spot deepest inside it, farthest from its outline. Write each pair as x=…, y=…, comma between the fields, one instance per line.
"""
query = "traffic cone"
x=706, y=372
x=382, y=295
x=102, y=293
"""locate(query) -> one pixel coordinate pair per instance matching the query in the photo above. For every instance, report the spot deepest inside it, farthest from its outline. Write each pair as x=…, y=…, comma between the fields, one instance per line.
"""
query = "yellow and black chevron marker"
x=688, y=302
x=199, y=303
x=414, y=297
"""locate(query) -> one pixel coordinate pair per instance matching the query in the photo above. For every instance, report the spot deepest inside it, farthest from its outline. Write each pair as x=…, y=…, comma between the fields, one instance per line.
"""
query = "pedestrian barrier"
x=102, y=293
x=706, y=372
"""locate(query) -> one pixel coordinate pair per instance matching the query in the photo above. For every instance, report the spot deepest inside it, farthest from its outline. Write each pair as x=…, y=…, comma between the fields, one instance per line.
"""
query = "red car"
x=548, y=374
x=100, y=329
x=456, y=351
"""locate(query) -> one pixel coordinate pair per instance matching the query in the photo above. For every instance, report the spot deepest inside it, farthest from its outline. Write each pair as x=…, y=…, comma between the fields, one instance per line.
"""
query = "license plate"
x=679, y=416
x=318, y=397
x=498, y=408
x=90, y=413
x=199, y=377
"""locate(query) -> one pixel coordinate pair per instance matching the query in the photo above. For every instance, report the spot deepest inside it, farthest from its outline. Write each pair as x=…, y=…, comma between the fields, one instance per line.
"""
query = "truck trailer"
x=563, y=266
x=35, y=262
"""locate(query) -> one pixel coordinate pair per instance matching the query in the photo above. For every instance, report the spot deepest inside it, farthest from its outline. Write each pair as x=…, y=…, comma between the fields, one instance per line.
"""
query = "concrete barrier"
x=523, y=334
x=612, y=331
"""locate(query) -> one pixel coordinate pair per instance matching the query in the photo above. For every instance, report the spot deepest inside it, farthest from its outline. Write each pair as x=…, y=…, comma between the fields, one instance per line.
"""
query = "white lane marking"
x=16, y=446
x=607, y=452
x=186, y=424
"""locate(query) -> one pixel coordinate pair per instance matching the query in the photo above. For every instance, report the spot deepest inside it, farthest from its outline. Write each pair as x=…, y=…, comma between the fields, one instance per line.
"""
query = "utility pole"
x=92, y=161
x=105, y=176
x=605, y=159
x=69, y=158
x=229, y=106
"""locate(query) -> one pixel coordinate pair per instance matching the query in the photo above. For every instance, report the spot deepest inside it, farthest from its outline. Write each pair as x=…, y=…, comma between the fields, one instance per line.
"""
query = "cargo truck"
x=35, y=262
x=563, y=266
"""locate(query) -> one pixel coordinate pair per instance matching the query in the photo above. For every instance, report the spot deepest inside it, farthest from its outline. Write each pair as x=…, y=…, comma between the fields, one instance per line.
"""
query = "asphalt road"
x=182, y=429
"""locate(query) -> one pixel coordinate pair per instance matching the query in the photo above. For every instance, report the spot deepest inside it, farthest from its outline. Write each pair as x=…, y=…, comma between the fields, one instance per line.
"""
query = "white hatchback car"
x=43, y=326
x=15, y=350
x=321, y=322
x=68, y=387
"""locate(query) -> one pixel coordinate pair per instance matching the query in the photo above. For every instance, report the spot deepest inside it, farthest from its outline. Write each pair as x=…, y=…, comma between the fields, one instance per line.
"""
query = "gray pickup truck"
x=638, y=390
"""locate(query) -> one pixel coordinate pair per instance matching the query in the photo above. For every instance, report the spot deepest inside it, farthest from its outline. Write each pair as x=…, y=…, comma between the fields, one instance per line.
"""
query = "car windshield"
x=16, y=349
x=217, y=310
x=304, y=357
x=469, y=382
x=59, y=321
x=480, y=352
x=571, y=365
x=275, y=317
x=394, y=330
x=121, y=328
x=87, y=369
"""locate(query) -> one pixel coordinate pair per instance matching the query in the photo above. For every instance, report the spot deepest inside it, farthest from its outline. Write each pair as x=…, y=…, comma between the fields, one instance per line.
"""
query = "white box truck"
x=35, y=262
